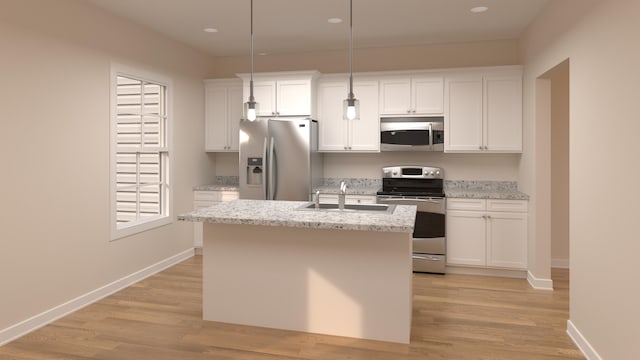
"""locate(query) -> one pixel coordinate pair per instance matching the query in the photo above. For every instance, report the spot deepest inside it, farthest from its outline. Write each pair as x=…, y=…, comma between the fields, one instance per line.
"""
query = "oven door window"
x=429, y=225
x=405, y=137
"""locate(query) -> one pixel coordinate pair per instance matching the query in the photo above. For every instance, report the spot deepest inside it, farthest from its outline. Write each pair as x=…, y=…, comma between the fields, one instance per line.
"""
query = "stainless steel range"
x=421, y=186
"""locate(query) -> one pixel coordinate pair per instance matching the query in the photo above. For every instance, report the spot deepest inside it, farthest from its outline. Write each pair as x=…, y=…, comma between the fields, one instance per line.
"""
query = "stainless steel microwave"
x=412, y=133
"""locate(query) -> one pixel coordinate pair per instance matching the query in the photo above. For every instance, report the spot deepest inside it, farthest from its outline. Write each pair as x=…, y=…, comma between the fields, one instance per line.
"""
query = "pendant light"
x=251, y=107
x=351, y=104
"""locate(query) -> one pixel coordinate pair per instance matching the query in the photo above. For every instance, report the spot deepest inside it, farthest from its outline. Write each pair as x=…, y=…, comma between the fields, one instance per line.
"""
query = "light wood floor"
x=454, y=317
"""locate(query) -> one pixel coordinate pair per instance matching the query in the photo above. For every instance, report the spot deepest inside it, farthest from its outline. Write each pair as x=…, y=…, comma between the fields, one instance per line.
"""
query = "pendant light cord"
x=350, y=49
x=251, y=98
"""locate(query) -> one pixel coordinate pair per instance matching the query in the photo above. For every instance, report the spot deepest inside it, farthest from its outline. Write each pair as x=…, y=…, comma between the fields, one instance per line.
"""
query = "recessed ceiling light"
x=479, y=9
x=211, y=30
x=335, y=20
x=262, y=53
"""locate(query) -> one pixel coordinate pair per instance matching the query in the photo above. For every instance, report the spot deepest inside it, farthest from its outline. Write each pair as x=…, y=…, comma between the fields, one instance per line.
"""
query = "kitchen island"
x=267, y=264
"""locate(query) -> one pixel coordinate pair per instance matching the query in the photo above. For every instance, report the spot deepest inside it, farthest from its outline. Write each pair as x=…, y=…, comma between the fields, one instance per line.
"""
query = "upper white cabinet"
x=412, y=95
x=283, y=93
x=223, y=110
x=483, y=112
x=340, y=135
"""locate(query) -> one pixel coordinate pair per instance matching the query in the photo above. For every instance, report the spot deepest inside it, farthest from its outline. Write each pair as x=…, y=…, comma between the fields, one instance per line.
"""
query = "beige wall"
x=499, y=167
x=457, y=166
x=54, y=144
x=603, y=204
x=490, y=53
x=559, y=77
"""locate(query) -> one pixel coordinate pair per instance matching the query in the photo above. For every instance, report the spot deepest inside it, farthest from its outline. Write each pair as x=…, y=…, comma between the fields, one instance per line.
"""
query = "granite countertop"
x=505, y=190
x=355, y=186
x=216, y=187
x=284, y=213
x=351, y=190
x=221, y=183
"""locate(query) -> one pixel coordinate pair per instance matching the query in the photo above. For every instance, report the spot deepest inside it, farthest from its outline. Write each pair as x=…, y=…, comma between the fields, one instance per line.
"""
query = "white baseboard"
x=482, y=271
x=24, y=327
x=198, y=250
x=539, y=284
x=560, y=263
x=581, y=342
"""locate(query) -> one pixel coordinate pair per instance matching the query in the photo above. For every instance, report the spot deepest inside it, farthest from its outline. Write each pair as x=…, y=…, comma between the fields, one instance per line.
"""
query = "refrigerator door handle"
x=264, y=173
x=273, y=168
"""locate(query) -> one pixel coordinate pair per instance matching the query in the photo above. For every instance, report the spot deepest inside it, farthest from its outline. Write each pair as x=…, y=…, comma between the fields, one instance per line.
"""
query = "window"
x=140, y=151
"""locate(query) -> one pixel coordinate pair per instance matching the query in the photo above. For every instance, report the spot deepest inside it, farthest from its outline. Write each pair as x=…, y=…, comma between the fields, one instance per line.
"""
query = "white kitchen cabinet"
x=283, y=93
x=339, y=135
x=487, y=233
x=223, y=110
x=412, y=95
x=203, y=199
x=348, y=199
x=483, y=112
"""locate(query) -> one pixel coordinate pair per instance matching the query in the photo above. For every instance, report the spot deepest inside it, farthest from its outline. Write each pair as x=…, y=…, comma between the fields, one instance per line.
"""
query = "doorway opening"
x=554, y=174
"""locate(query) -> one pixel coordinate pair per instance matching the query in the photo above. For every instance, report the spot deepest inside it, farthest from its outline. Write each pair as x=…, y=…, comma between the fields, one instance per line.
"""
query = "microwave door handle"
x=430, y=136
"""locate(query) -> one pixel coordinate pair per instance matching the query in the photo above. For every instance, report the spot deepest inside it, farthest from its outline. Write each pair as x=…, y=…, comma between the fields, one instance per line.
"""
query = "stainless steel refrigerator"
x=279, y=159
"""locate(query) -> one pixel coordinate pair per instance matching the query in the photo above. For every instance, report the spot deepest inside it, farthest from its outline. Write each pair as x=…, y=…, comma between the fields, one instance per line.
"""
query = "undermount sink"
x=370, y=208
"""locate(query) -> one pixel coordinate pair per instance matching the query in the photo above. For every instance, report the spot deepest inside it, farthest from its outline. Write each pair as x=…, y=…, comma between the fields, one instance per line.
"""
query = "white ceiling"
x=282, y=26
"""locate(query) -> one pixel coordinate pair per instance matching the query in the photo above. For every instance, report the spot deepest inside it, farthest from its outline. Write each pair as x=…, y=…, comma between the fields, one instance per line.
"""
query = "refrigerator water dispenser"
x=254, y=171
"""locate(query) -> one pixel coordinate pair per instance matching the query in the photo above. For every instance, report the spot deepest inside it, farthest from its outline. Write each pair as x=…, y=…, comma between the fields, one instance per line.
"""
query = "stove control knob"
x=395, y=173
x=438, y=172
x=431, y=173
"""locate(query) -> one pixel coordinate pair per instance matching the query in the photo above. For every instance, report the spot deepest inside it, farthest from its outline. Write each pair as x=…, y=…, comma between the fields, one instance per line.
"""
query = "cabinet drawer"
x=360, y=199
x=206, y=196
x=466, y=204
x=349, y=199
x=229, y=195
x=507, y=205
x=203, y=204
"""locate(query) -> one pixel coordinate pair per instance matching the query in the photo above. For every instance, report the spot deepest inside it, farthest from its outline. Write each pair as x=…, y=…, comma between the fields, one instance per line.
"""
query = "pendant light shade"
x=251, y=106
x=351, y=104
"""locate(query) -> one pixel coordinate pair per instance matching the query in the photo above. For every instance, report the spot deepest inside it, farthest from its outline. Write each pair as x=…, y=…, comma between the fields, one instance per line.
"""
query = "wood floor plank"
x=454, y=317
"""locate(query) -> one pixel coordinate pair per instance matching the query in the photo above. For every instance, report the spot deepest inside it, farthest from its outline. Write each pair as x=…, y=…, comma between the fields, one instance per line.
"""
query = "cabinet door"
x=395, y=96
x=197, y=226
x=503, y=113
x=466, y=243
x=293, y=97
x=235, y=110
x=332, y=126
x=507, y=240
x=216, y=113
x=364, y=134
x=264, y=91
x=463, y=115
x=428, y=95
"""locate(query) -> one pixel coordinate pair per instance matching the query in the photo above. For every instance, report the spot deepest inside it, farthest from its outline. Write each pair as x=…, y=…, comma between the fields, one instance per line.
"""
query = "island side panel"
x=346, y=283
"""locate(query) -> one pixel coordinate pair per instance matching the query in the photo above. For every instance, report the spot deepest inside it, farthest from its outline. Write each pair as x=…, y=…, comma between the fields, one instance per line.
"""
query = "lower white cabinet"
x=203, y=199
x=487, y=233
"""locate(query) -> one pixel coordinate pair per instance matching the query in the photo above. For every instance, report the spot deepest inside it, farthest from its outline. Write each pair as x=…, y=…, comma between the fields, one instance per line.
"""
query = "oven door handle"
x=429, y=200
x=422, y=257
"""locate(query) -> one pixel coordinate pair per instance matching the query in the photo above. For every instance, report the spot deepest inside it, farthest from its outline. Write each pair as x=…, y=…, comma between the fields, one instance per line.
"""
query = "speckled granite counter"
x=221, y=183
x=355, y=186
x=284, y=214
x=216, y=187
x=507, y=190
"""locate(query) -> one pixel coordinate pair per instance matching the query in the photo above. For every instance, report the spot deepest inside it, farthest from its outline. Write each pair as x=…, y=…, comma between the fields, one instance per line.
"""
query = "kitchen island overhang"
x=338, y=273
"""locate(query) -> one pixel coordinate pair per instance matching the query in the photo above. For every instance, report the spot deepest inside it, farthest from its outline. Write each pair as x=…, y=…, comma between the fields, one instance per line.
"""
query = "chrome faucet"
x=317, y=199
x=342, y=195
